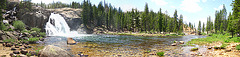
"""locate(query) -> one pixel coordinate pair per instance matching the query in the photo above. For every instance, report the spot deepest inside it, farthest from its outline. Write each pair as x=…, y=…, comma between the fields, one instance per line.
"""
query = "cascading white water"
x=57, y=26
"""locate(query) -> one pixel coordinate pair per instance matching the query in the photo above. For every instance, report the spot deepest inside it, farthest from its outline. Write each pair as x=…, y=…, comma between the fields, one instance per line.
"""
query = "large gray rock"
x=34, y=19
x=53, y=51
x=38, y=17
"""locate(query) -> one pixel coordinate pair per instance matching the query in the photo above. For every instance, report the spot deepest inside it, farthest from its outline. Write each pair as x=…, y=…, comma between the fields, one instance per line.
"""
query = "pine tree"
x=175, y=21
x=236, y=13
x=199, y=27
x=231, y=24
x=160, y=18
x=203, y=29
x=181, y=24
x=145, y=17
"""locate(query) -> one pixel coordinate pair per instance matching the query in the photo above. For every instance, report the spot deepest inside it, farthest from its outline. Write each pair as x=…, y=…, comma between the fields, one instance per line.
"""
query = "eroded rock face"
x=35, y=19
x=38, y=17
x=53, y=51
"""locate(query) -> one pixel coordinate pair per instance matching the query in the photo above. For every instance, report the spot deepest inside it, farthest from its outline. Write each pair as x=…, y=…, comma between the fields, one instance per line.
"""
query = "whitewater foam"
x=57, y=26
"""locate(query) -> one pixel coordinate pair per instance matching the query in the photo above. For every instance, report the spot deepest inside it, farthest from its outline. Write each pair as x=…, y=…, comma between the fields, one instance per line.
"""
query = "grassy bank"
x=144, y=34
x=226, y=38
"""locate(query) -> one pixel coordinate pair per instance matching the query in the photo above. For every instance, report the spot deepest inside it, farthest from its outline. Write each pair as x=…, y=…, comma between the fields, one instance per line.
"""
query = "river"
x=115, y=45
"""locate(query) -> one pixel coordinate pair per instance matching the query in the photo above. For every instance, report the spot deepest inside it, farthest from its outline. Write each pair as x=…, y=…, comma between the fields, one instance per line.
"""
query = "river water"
x=115, y=45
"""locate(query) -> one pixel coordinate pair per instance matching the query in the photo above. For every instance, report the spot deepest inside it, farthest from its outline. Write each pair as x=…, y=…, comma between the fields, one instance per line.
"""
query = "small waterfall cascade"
x=57, y=26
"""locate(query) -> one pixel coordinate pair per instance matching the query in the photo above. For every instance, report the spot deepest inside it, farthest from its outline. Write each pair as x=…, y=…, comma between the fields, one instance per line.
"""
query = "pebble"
x=16, y=46
x=13, y=55
x=24, y=51
x=13, y=48
x=21, y=55
x=16, y=52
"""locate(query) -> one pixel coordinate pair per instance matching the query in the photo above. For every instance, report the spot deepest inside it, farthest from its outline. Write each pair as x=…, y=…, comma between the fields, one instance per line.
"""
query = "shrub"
x=203, y=33
x=181, y=34
x=223, y=46
x=28, y=54
x=160, y=53
x=238, y=47
x=9, y=40
x=2, y=26
x=43, y=34
x=173, y=35
x=210, y=34
x=226, y=41
x=19, y=25
x=36, y=29
x=167, y=34
x=33, y=40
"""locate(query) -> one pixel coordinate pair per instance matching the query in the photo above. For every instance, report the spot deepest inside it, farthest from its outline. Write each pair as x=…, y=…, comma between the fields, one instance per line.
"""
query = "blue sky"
x=192, y=10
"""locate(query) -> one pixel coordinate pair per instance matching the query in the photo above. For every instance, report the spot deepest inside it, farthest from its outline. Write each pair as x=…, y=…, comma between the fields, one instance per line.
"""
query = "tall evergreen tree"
x=203, y=28
x=199, y=27
x=175, y=16
x=160, y=22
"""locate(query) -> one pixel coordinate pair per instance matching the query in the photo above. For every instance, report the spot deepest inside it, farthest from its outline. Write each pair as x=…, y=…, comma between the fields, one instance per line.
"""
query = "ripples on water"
x=120, y=44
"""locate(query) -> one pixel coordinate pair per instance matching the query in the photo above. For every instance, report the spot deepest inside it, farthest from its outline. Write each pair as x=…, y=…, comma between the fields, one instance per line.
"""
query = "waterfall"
x=56, y=25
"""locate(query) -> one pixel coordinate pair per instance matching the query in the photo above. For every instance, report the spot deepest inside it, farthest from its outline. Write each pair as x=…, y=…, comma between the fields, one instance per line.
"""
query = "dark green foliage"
x=9, y=40
x=160, y=53
x=223, y=46
x=199, y=27
x=42, y=34
x=113, y=19
x=36, y=29
x=34, y=39
x=19, y=25
x=3, y=26
x=3, y=5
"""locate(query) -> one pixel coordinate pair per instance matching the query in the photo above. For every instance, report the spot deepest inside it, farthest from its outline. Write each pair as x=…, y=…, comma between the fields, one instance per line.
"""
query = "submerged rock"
x=181, y=42
x=53, y=51
x=174, y=44
x=70, y=41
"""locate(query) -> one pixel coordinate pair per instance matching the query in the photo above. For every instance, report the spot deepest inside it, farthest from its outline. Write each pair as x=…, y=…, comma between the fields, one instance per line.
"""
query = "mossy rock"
x=194, y=49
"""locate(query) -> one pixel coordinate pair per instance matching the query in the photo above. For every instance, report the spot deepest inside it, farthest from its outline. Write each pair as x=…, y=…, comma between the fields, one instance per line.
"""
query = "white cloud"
x=219, y=7
x=190, y=6
x=204, y=0
x=160, y=2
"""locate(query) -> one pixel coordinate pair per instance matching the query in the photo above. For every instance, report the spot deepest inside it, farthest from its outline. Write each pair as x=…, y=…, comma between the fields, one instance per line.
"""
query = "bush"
x=160, y=53
x=238, y=47
x=2, y=26
x=181, y=34
x=210, y=34
x=43, y=34
x=19, y=25
x=226, y=41
x=223, y=46
x=36, y=29
x=32, y=40
x=9, y=40
x=203, y=34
